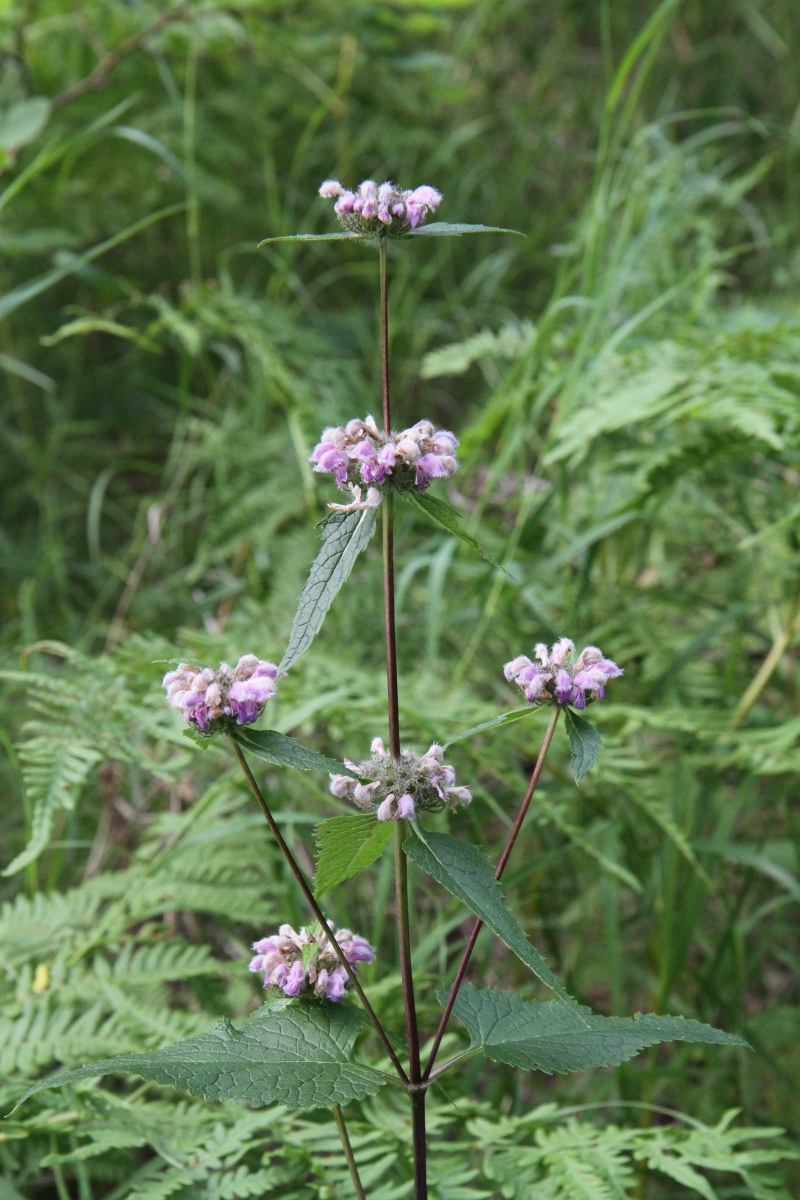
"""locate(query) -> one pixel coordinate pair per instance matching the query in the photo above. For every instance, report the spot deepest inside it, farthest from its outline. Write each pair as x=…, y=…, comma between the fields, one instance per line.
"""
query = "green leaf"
x=466, y=872
x=23, y=122
x=507, y=718
x=300, y=1056
x=312, y=237
x=277, y=748
x=346, y=846
x=446, y=517
x=445, y=229
x=344, y=536
x=435, y=229
x=584, y=744
x=555, y=1037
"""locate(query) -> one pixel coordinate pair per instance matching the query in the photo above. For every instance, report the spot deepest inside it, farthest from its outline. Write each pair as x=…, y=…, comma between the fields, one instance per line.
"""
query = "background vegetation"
x=626, y=384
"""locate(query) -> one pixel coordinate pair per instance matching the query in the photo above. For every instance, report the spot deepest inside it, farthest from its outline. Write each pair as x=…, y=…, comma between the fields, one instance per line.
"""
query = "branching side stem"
x=501, y=866
x=317, y=911
x=348, y=1152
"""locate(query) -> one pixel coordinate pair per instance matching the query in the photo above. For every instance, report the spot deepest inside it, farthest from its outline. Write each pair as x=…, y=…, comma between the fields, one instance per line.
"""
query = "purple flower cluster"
x=281, y=958
x=562, y=677
x=401, y=786
x=380, y=210
x=360, y=453
x=228, y=694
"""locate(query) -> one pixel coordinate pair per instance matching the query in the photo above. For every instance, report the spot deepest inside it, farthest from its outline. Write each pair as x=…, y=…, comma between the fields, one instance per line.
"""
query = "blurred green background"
x=626, y=386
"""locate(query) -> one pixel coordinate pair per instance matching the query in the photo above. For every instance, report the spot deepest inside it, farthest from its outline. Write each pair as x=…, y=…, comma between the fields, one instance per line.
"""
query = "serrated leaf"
x=507, y=718
x=446, y=229
x=308, y=953
x=584, y=743
x=556, y=1038
x=346, y=846
x=344, y=536
x=466, y=873
x=300, y=1057
x=446, y=517
x=274, y=747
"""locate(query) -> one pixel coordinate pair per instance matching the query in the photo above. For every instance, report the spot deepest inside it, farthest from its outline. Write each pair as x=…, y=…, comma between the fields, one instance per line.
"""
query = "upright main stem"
x=501, y=866
x=401, y=874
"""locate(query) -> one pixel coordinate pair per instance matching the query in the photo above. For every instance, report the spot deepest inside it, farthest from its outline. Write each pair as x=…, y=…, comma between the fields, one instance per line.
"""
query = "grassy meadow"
x=625, y=382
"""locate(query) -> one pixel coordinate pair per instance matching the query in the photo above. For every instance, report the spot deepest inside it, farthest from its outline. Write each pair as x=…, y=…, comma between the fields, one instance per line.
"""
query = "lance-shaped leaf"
x=274, y=747
x=506, y=718
x=584, y=744
x=311, y=237
x=300, y=1056
x=555, y=1037
x=466, y=872
x=344, y=536
x=435, y=229
x=346, y=846
x=446, y=517
x=446, y=229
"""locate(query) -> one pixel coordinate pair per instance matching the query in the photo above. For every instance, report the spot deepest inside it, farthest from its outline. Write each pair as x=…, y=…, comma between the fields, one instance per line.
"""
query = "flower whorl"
x=360, y=453
x=380, y=210
x=400, y=787
x=562, y=677
x=286, y=962
x=209, y=699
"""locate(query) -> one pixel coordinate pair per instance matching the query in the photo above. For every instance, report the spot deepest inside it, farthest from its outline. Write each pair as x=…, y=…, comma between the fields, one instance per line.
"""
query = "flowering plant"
x=299, y=1048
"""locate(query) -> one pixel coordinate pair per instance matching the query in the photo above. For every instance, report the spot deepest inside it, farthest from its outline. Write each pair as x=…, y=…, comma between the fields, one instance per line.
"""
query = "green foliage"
x=345, y=846
x=555, y=1037
x=344, y=536
x=465, y=871
x=446, y=517
x=274, y=747
x=584, y=743
x=299, y=1055
x=86, y=714
x=506, y=718
x=562, y=1160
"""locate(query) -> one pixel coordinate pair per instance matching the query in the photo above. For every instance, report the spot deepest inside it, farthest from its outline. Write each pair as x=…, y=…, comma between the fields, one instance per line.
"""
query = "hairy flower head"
x=304, y=961
x=399, y=788
x=380, y=210
x=359, y=453
x=210, y=700
x=560, y=676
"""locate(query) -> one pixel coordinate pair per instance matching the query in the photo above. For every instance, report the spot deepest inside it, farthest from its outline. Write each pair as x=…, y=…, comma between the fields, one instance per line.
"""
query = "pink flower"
x=562, y=677
x=208, y=699
x=380, y=211
x=280, y=959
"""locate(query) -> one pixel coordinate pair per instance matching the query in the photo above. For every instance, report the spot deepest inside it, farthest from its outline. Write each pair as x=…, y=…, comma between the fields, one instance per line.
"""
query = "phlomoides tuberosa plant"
x=299, y=1048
